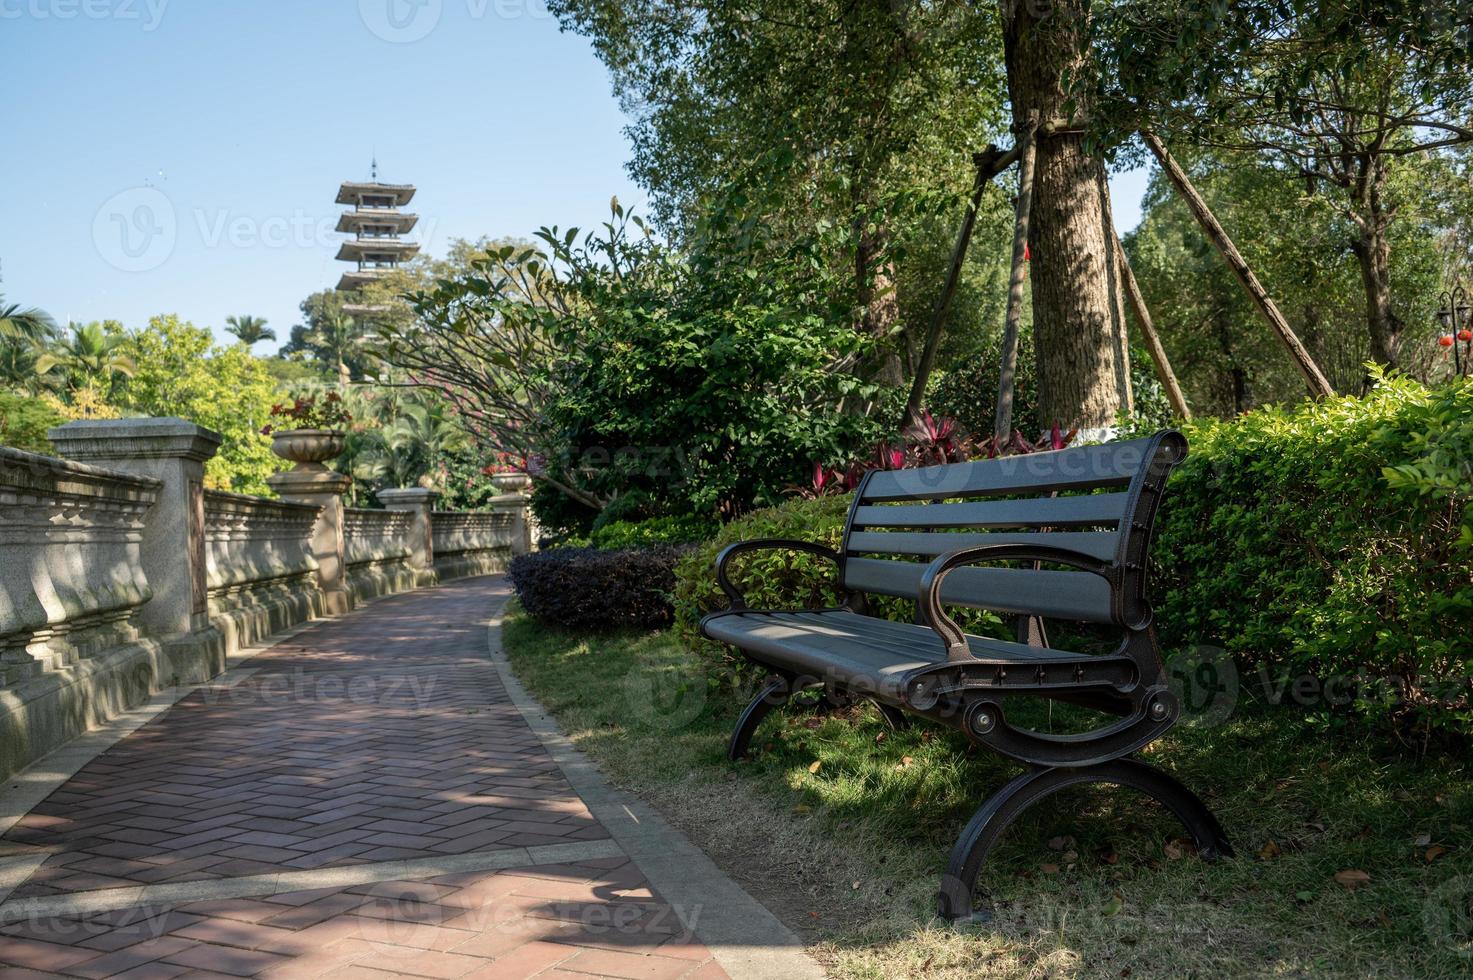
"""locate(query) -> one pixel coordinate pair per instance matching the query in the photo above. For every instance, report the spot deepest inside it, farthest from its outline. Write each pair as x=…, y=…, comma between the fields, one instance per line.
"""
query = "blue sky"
x=182, y=155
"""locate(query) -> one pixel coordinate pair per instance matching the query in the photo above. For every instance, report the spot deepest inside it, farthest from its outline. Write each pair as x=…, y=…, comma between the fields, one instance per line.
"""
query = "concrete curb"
x=747, y=940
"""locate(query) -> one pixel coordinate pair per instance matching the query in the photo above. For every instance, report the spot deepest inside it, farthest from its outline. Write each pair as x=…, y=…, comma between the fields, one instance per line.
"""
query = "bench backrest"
x=1099, y=500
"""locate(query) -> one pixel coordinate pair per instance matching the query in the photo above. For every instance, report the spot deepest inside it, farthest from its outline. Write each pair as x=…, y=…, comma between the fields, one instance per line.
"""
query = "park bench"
x=1062, y=536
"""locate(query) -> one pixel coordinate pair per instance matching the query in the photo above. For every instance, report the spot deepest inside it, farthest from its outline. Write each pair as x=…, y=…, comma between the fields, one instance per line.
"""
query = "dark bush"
x=585, y=588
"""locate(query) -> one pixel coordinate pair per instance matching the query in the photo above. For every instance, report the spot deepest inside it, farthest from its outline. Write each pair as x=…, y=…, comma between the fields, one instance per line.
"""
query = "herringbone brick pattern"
x=388, y=738
x=598, y=919
x=382, y=736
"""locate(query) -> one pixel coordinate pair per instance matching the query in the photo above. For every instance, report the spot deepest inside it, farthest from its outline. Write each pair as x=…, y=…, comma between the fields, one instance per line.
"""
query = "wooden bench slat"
x=1052, y=594
x=1109, y=465
x=1086, y=511
x=1096, y=544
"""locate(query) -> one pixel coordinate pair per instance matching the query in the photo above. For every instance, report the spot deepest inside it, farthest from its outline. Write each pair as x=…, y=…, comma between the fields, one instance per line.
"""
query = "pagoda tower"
x=375, y=222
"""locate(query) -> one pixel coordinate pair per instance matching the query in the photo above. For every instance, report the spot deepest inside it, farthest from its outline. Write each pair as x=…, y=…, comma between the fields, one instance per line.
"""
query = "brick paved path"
x=362, y=799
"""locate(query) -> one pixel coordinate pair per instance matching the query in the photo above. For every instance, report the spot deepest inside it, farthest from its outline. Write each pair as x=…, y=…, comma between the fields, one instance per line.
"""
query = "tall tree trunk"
x=1073, y=322
x=1372, y=248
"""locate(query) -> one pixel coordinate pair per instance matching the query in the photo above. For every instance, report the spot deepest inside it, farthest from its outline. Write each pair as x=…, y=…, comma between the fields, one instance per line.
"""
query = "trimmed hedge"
x=685, y=529
x=585, y=588
x=1330, y=539
x=1325, y=539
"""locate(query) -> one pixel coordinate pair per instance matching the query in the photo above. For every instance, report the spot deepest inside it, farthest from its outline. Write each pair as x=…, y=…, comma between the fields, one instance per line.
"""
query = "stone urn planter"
x=308, y=448
x=511, y=482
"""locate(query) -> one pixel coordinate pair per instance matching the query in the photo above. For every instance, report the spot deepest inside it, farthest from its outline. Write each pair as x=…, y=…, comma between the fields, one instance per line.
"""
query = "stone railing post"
x=419, y=502
x=323, y=488
x=517, y=506
x=174, y=452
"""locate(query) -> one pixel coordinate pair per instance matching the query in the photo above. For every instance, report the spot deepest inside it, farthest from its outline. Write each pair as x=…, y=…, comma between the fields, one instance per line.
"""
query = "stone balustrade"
x=74, y=589
x=377, y=549
x=260, y=574
x=121, y=575
x=479, y=543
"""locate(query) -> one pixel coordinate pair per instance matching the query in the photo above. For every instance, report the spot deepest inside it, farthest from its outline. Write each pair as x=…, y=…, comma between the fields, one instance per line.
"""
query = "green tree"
x=179, y=370
x=92, y=355
x=331, y=336
x=833, y=118
x=1353, y=100
x=249, y=330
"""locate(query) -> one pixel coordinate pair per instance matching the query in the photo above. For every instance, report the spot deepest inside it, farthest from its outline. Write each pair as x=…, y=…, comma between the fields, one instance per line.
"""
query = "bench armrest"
x=738, y=601
x=929, y=595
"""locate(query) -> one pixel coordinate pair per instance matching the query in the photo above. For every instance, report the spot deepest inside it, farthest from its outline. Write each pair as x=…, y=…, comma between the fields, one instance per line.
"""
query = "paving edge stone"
x=747, y=940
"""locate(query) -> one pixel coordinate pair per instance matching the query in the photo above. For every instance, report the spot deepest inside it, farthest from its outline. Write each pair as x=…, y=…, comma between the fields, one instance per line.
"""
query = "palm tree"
x=26, y=324
x=417, y=441
x=340, y=338
x=249, y=330
x=91, y=356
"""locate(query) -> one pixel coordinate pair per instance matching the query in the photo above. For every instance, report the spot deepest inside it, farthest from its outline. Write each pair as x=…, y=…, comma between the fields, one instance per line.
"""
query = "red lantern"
x=1465, y=335
x=1445, y=341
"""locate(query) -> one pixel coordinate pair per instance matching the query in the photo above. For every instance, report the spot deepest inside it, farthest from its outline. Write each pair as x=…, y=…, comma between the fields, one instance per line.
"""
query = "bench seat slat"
x=1111, y=464
x=1096, y=544
x=1051, y=594
x=876, y=654
x=1092, y=510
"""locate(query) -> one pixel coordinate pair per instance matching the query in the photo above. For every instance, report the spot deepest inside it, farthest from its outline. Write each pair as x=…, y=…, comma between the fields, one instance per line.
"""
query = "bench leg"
x=1003, y=807
x=895, y=719
x=776, y=693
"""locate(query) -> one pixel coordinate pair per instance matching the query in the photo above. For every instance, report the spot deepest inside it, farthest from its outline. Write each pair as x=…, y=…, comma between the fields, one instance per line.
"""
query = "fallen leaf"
x=1114, y=905
x=1172, y=849
x=854, y=886
x=802, y=808
x=1070, y=857
x=1352, y=878
x=814, y=723
x=1049, y=869
x=1269, y=851
x=1060, y=843
x=813, y=915
x=814, y=767
x=1434, y=852
x=880, y=738
x=905, y=763
x=1421, y=840
x=1110, y=856
x=1383, y=919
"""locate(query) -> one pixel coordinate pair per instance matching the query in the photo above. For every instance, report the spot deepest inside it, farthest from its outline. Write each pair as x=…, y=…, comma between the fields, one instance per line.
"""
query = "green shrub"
x=1331, y=538
x=769, y=579
x=24, y=421
x=685, y=529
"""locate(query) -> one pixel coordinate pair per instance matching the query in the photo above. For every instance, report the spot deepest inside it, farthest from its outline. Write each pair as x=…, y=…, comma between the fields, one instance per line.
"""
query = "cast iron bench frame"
x=961, y=680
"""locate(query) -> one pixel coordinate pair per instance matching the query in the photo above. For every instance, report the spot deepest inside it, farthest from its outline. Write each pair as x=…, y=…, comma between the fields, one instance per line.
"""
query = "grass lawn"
x=842, y=830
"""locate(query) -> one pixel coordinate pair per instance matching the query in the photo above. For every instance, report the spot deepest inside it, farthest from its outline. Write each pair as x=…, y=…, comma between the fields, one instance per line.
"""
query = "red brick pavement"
x=381, y=736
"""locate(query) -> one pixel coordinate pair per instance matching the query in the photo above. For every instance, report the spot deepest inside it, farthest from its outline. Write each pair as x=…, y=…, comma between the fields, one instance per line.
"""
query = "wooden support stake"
x=1148, y=332
x=1002, y=427
x=1113, y=275
x=990, y=162
x=1319, y=386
